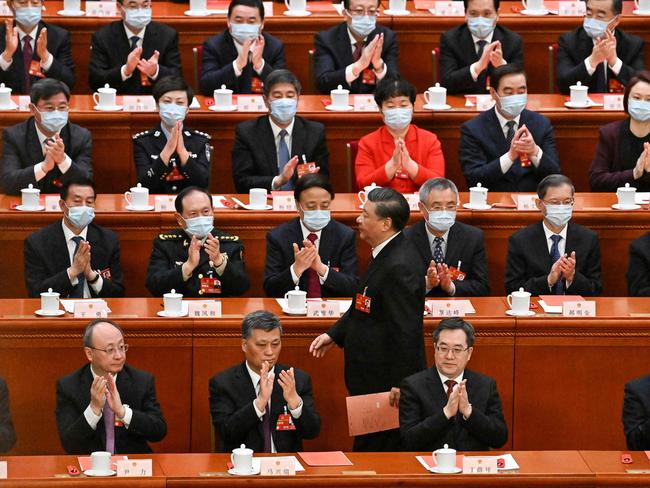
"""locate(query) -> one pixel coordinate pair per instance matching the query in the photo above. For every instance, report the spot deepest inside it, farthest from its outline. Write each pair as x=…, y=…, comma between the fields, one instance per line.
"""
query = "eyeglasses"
x=358, y=12
x=444, y=350
x=438, y=208
x=112, y=350
x=568, y=201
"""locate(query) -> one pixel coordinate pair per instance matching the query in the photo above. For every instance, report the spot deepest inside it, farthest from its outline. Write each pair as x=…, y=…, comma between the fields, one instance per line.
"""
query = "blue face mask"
x=81, y=217
x=138, y=18
x=54, y=121
x=595, y=28
x=242, y=32
x=284, y=109
x=199, y=226
x=28, y=16
x=513, y=105
x=481, y=27
x=638, y=110
x=559, y=215
x=316, y=220
x=398, y=118
x=363, y=25
x=170, y=113
x=442, y=220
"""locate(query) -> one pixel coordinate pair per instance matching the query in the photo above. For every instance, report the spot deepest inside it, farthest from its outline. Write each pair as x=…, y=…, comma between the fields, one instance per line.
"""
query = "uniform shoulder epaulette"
x=140, y=134
x=227, y=238
x=204, y=134
x=171, y=236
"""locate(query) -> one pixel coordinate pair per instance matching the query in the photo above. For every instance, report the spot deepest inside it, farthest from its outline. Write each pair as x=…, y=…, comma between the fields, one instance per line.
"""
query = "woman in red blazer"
x=399, y=154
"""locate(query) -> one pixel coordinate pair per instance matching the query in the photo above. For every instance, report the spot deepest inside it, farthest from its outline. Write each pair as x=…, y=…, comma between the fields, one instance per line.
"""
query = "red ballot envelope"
x=371, y=413
x=558, y=300
x=327, y=458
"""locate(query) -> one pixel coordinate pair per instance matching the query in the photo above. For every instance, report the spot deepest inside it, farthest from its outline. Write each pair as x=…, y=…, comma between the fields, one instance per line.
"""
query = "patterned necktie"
x=481, y=47
x=134, y=42
x=511, y=132
x=28, y=54
x=450, y=387
x=558, y=288
x=78, y=290
x=109, y=427
x=283, y=158
x=358, y=49
x=438, y=257
x=313, y=281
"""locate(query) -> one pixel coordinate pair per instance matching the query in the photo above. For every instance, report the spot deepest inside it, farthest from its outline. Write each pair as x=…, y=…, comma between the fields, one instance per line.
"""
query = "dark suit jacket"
x=609, y=170
x=218, y=54
x=575, y=46
x=47, y=260
x=334, y=54
x=255, y=157
x=22, y=150
x=529, y=261
x=423, y=425
x=110, y=47
x=465, y=244
x=58, y=44
x=482, y=143
x=137, y=390
x=235, y=421
x=386, y=345
x=458, y=52
x=337, y=249
x=636, y=414
x=7, y=432
x=638, y=269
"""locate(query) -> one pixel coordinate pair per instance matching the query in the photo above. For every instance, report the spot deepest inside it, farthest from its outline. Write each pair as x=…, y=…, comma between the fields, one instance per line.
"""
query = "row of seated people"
x=78, y=258
x=132, y=54
x=506, y=148
x=107, y=405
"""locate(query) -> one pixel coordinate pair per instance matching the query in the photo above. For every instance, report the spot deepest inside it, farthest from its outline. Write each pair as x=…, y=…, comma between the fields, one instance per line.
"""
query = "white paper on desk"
x=257, y=462
x=216, y=201
x=344, y=305
x=550, y=308
x=195, y=103
x=68, y=304
x=641, y=197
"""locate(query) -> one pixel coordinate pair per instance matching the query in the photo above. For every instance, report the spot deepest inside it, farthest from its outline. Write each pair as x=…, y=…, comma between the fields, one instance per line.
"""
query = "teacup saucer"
x=197, y=13
x=437, y=107
x=618, y=206
x=71, y=13
x=290, y=311
x=227, y=108
x=589, y=104
x=397, y=13
x=163, y=313
x=49, y=313
x=11, y=106
x=22, y=208
x=641, y=12
x=108, y=108
x=336, y=108
x=477, y=207
x=455, y=470
x=292, y=13
x=92, y=472
x=527, y=313
x=252, y=472
x=534, y=12
x=139, y=209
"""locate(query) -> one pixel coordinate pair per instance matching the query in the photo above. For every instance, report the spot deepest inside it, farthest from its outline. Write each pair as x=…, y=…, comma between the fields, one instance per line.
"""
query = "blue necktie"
x=134, y=42
x=437, y=251
x=283, y=158
x=78, y=289
x=558, y=288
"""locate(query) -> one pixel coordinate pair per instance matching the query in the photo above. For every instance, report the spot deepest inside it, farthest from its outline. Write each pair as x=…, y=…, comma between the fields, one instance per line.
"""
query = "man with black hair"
x=74, y=257
x=131, y=54
x=45, y=150
x=312, y=251
x=197, y=259
x=243, y=55
x=170, y=156
x=381, y=333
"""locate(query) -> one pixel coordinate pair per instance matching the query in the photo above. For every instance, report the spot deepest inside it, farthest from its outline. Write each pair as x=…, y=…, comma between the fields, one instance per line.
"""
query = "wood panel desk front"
x=576, y=134
x=417, y=34
x=137, y=230
x=594, y=357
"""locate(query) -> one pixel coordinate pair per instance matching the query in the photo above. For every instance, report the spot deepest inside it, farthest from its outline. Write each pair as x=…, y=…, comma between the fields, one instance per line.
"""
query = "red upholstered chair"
x=197, y=64
x=552, y=66
x=351, y=149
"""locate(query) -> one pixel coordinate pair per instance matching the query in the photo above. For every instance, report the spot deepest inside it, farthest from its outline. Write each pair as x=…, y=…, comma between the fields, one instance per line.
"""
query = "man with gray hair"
x=453, y=253
x=260, y=403
x=449, y=404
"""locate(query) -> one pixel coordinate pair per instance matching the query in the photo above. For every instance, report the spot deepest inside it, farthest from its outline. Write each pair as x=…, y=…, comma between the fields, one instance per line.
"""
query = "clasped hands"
x=175, y=144
x=257, y=52
x=307, y=258
x=492, y=54
x=103, y=390
x=565, y=266
x=522, y=143
x=212, y=247
x=286, y=380
x=401, y=162
x=604, y=50
x=81, y=263
x=643, y=163
x=147, y=66
x=370, y=55
x=439, y=275
x=458, y=402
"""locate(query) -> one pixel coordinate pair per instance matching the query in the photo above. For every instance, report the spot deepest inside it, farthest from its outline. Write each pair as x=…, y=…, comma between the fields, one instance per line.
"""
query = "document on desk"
x=325, y=458
x=371, y=413
x=68, y=303
x=553, y=303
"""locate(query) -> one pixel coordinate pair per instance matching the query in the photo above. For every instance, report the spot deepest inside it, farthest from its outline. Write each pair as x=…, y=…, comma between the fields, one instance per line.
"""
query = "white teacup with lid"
x=519, y=302
x=296, y=299
x=30, y=198
x=198, y=5
x=100, y=463
x=296, y=6
x=257, y=197
x=105, y=97
x=445, y=459
x=5, y=96
x=625, y=195
x=363, y=194
x=436, y=96
x=173, y=302
x=222, y=97
x=478, y=196
x=49, y=301
x=340, y=98
x=137, y=197
x=533, y=5
x=242, y=460
x=579, y=94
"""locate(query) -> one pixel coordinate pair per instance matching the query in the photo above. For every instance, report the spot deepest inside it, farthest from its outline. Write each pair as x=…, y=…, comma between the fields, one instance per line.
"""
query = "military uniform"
x=171, y=178
x=170, y=251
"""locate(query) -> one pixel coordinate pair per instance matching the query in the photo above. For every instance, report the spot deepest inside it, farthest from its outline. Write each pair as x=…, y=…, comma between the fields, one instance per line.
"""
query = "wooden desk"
x=609, y=470
x=137, y=230
x=417, y=33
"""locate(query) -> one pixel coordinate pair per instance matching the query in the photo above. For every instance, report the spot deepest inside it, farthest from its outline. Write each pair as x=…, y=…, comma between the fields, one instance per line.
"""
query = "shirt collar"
x=276, y=128
x=306, y=231
x=488, y=39
x=32, y=33
x=68, y=234
x=431, y=237
x=444, y=378
x=377, y=249
x=130, y=33
x=548, y=232
x=503, y=121
x=255, y=378
x=353, y=40
x=95, y=375
x=41, y=136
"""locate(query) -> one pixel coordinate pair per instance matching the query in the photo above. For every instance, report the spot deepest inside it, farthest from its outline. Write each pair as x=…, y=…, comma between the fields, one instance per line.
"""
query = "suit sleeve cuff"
x=617, y=66
x=257, y=411
x=506, y=163
x=222, y=267
x=294, y=276
x=97, y=285
x=128, y=416
x=472, y=71
x=48, y=64
x=349, y=75
x=65, y=165
x=5, y=65
x=536, y=159
x=297, y=412
x=590, y=68
x=236, y=69
x=39, y=172
x=123, y=73
x=91, y=418
x=259, y=72
x=380, y=74
x=155, y=75
x=323, y=278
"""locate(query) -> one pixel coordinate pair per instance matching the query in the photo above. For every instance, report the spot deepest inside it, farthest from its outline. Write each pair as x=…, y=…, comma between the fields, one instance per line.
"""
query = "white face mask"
x=559, y=214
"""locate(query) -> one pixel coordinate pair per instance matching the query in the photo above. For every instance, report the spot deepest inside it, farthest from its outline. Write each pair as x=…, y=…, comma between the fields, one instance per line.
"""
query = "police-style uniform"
x=170, y=251
x=171, y=178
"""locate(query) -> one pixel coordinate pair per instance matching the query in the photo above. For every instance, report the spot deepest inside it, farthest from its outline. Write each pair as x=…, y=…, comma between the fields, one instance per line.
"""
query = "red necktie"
x=313, y=281
x=28, y=53
x=450, y=387
x=356, y=54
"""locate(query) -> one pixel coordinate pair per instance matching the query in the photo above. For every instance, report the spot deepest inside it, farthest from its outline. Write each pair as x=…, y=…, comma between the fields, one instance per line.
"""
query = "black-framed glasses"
x=455, y=350
x=112, y=350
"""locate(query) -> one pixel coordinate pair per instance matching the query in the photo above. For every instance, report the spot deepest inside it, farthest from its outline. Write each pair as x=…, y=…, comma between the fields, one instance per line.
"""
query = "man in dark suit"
x=381, y=333
x=242, y=56
x=132, y=53
x=449, y=404
x=554, y=256
x=197, y=259
x=469, y=52
x=107, y=405
x=636, y=414
x=171, y=156
x=45, y=150
x=32, y=49
x=74, y=257
x=452, y=253
x=638, y=269
x=268, y=149
x=357, y=53
x=596, y=53
x=7, y=432
x=260, y=403
x=508, y=148
x=311, y=251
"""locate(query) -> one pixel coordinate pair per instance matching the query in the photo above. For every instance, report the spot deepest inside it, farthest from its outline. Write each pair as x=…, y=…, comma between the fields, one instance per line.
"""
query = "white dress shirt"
x=69, y=235
x=276, y=138
x=239, y=47
x=377, y=249
x=349, y=75
x=45, y=66
x=305, y=233
x=93, y=419
x=504, y=161
x=616, y=68
x=129, y=35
